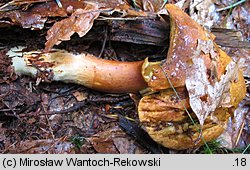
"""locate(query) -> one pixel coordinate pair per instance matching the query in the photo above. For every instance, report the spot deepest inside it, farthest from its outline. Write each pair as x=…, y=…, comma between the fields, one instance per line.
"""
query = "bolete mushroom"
x=162, y=114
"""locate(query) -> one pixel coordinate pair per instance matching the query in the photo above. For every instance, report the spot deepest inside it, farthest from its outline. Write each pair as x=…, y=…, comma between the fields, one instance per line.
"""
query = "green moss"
x=216, y=148
x=78, y=141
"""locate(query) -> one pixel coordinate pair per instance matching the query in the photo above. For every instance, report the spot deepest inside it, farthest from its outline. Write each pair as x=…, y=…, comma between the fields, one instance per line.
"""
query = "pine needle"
x=59, y=3
x=248, y=146
x=231, y=6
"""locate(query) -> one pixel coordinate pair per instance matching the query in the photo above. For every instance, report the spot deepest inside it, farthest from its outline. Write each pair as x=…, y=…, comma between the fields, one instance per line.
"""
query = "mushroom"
x=162, y=114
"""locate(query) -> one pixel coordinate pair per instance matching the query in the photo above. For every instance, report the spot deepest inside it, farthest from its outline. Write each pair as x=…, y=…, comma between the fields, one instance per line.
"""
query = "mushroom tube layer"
x=84, y=69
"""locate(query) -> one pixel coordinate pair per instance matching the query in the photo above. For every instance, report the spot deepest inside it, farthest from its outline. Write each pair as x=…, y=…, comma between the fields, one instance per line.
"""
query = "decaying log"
x=230, y=38
x=139, y=31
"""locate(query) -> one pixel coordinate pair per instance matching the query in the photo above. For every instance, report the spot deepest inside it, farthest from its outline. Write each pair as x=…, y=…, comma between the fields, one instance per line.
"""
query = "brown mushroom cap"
x=184, y=36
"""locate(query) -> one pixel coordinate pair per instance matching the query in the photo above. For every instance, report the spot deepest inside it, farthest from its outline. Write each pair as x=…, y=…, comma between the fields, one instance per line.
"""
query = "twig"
x=230, y=6
x=103, y=18
x=164, y=3
x=11, y=109
x=6, y=110
x=92, y=122
x=19, y=2
x=239, y=134
x=107, y=99
x=104, y=41
x=135, y=4
x=7, y=149
x=50, y=128
x=75, y=107
x=54, y=144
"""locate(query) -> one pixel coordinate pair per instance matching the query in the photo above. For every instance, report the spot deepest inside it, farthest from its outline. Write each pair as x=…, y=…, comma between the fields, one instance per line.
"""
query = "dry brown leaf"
x=114, y=140
x=16, y=95
x=21, y=2
x=3, y=137
x=150, y=5
x=56, y=146
x=7, y=73
x=80, y=22
x=32, y=17
x=80, y=96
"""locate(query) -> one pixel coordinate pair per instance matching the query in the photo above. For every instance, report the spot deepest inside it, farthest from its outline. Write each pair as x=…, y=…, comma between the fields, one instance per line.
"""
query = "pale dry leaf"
x=205, y=96
x=80, y=22
x=244, y=54
x=55, y=146
x=80, y=96
x=181, y=3
x=229, y=138
x=204, y=12
x=107, y=3
x=150, y=5
x=103, y=142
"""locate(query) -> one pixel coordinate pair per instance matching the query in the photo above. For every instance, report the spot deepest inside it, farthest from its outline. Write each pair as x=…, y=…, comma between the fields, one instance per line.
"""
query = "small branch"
x=107, y=99
x=104, y=41
x=75, y=107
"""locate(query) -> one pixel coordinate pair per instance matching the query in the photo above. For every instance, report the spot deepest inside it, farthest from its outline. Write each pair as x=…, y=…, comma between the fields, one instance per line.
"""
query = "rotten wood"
x=138, y=31
x=229, y=38
x=141, y=31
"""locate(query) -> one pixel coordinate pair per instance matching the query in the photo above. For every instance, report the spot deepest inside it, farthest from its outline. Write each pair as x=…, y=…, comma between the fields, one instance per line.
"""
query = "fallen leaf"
x=205, y=92
x=204, y=12
x=7, y=73
x=15, y=96
x=2, y=137
x=150, y=5
x=124, y=145
x=239, y=54
x=80, y=96
x=56, y=146
x=80, y=22
x=34, y=17
x=230, y=137
x=113, y=140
